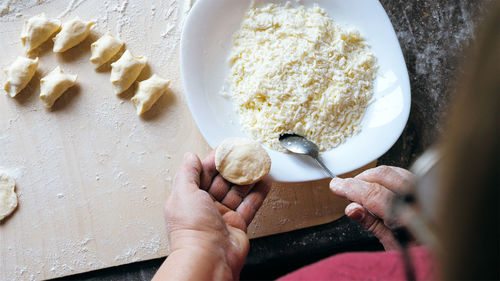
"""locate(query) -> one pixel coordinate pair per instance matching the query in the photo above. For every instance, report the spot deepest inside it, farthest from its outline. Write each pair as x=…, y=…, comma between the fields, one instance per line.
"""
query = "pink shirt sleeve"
x=368, y=266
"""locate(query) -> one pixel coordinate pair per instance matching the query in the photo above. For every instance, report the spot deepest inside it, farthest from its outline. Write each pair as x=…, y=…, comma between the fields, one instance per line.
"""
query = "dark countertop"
x=433, y=35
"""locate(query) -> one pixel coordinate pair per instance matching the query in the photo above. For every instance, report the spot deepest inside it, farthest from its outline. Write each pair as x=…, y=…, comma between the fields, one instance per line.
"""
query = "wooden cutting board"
x=91, y=175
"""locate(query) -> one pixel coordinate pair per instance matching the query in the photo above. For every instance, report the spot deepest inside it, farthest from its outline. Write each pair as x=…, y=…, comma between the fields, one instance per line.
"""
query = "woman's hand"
x=371, y=193
x=207, y=219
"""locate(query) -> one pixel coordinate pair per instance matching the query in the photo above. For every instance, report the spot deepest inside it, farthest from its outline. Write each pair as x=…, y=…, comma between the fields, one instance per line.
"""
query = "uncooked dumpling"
x=242, y=161
x=104, y=49
x=125, y=71
x=37, y=30
x=72, y=33
x=8, y=197
x=148, y=92
x=19, y=74
x=54, y=84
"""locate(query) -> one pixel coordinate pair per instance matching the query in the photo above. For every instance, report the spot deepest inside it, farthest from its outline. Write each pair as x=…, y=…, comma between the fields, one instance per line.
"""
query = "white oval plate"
x=205, y=45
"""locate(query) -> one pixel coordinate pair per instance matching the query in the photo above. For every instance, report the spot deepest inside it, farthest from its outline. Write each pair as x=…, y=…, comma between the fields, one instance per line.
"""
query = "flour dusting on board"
x=150, y=246
x=122, y=19
x=71, y=7
x=90, y=165
x=11, y=9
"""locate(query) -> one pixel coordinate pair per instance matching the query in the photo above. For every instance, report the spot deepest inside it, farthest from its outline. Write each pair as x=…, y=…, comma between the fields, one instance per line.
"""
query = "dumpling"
x=54, y=85
x=37, y=30
x=148, y=92
x=125, y=71
x=19, y=74
x=72, y=33
x=104, y=49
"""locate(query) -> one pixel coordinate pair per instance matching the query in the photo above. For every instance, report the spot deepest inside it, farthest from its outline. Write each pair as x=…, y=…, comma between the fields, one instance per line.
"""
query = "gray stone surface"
x=433, y=35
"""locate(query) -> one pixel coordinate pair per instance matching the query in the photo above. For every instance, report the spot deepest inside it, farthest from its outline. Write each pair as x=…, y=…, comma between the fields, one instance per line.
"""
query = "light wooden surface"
x=92, y=176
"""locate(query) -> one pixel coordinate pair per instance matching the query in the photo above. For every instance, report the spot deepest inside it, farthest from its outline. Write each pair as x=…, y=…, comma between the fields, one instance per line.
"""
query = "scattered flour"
x=12, y=9
x=146, y=248
x=99, y=178
x=71, y=7
x=123, y=19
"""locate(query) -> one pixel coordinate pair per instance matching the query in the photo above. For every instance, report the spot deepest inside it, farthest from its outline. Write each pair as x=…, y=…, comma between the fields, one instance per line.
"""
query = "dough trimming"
x=242, y=161
x=8, y=197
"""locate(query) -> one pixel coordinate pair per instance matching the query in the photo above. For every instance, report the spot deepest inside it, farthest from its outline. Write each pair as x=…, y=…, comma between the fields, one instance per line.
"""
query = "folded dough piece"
x=148, y=92
x=54, y=85
x=19, y=74
x=8, y=197
x=242, y=161
x=37, y=30
x=125, y=71
x=104, y=49
x=72, y=33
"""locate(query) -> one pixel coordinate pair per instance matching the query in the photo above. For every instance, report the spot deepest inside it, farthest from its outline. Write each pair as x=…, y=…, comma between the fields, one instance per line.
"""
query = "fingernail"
x=335, y=184
x=357, y=215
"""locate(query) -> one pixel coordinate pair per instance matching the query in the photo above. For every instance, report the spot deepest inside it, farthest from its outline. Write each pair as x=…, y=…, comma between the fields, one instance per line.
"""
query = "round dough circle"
x=242, y=161
x=8, y=198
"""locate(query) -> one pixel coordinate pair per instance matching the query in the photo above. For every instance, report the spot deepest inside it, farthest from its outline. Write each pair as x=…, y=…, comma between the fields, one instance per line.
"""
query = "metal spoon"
x=300, y=145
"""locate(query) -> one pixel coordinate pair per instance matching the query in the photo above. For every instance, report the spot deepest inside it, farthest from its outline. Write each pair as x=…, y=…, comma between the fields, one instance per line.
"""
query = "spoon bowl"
x=298, y=144
x=301, y=145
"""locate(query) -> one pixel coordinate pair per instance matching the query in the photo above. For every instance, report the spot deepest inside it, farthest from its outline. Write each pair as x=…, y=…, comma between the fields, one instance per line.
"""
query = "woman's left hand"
x=207, y=218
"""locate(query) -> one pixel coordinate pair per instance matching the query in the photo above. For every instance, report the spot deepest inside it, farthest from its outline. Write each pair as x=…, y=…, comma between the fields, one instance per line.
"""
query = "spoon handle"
x=324, y=167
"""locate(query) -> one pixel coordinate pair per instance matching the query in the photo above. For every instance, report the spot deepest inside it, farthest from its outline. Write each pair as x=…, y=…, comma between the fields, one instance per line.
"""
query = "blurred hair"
x=469, y=200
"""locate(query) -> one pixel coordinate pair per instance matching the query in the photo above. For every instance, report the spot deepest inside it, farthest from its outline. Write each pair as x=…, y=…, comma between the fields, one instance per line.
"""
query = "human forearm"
x=193, y=264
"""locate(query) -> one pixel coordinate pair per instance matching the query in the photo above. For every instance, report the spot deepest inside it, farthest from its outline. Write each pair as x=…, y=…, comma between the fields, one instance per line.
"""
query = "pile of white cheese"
x=293, y=70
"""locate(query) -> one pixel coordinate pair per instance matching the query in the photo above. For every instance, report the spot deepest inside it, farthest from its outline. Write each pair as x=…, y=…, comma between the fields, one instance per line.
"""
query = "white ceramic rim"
x=358, y=150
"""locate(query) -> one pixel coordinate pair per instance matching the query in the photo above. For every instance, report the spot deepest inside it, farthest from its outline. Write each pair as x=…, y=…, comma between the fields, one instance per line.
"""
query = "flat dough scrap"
x=8, y=197
x=148, y=92
x=242, y=161
x=72, y=33
x=37, y=30
x=104, y=49
x=19, y=74
x=125, y=71
x=54, y=84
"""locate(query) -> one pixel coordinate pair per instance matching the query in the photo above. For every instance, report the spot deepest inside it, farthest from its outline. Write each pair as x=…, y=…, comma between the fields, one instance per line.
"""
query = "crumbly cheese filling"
x=293, y=70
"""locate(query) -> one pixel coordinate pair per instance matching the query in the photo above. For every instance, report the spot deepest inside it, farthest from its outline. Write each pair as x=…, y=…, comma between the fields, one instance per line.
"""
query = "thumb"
x=373, y=224
x=187, y=177
x=239, y=240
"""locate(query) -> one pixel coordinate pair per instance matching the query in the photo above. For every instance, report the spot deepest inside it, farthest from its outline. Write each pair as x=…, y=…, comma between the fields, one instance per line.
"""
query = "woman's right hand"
x=372, y=193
